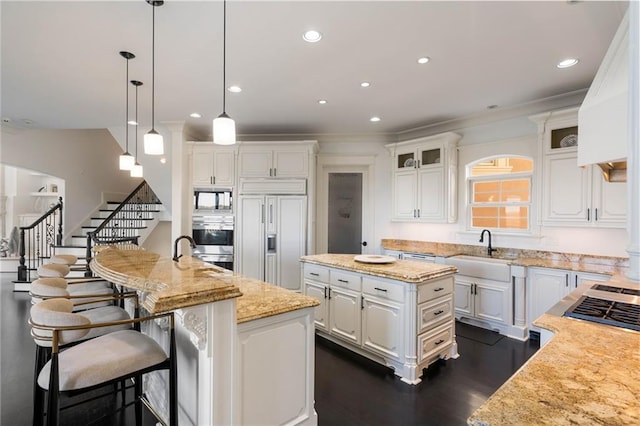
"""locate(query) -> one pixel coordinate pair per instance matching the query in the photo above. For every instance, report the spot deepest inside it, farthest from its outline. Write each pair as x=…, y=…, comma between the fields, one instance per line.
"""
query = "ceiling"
x=61, y=68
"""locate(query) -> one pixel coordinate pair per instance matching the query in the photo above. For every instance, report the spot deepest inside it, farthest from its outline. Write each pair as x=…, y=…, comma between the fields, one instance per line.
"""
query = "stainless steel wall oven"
x=213, y=235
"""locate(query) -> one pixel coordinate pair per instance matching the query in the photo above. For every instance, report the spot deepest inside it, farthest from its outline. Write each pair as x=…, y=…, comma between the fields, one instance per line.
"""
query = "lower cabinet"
x=481, y=299
x=406, y=326
x=547, y=286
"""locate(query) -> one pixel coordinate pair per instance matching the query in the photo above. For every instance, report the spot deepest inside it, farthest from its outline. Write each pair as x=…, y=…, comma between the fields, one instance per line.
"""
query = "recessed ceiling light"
x=423, y=60
x=322, y=101
x=235, y=89
x=374, y=119
x=311, y=36
x=566, y=63
x=365, y=84
x=163, y=160
x=195, y=115
x=132, y=122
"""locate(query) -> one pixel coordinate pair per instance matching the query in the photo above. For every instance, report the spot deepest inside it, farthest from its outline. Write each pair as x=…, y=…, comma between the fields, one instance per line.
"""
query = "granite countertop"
x=586, y=374
x=520, y=257
x=173, y=285
x=402, y=270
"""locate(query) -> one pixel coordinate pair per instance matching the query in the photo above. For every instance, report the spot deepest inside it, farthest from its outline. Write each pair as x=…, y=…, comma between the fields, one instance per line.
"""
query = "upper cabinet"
x=213, y=166
x=279, y=159
x=573, y=195
x=425, y=179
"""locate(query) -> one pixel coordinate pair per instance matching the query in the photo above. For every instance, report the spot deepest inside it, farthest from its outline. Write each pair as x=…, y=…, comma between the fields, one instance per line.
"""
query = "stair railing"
x=121, y=225
x=37, y=240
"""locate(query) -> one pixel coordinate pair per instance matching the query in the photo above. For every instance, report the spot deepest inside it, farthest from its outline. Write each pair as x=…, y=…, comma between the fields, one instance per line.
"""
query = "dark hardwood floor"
x=349, y=389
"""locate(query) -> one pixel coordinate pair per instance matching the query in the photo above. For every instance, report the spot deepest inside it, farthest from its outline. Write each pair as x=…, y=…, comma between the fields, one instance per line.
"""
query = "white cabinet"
x=271, y=238
x=572, y=195
x=425, y=179
x=485, y=300
x=384, y=319
x=267, y=159
x=580, y=196
x=547, y=286
x=213, y=166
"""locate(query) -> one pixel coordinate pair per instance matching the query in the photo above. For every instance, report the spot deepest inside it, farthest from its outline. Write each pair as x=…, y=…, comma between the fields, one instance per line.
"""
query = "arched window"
x=500, y=193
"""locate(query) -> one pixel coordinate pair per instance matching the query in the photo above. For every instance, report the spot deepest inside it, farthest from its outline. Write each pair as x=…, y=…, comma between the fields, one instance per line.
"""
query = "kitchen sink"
x=482, y=267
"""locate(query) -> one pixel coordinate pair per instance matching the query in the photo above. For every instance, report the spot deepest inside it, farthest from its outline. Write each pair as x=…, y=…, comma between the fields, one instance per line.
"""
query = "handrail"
x=37, y=239
x=122, y=225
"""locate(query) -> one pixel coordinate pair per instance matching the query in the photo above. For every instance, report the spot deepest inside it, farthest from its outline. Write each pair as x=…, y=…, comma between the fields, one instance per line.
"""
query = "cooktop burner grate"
x=607, y=312
x=620, y=290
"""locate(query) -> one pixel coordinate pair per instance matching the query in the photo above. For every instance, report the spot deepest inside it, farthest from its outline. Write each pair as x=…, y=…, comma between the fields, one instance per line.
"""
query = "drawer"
x=434, y=313
x=383, y=289
x=316, y=273
x=435, y=289
x=430, y=344
x=345, y=280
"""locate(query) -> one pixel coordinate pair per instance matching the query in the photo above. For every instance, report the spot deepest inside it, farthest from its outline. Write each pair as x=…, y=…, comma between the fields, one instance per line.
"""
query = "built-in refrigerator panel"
x=271, y=238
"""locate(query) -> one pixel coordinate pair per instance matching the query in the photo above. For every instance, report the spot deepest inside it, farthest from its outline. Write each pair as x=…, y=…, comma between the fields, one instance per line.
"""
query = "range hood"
x=603, y=116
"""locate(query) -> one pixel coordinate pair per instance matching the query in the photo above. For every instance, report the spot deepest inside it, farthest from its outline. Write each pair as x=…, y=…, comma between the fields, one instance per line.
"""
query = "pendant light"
x=153, y=144
x=136, y=170
x=126, y=159
x=224, y=128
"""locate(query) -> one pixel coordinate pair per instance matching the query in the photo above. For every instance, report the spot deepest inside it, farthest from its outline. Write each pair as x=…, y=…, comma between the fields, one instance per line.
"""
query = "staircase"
x=132, y=219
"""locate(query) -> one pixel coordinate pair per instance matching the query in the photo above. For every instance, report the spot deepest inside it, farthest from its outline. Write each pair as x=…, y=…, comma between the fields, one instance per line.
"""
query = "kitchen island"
x=587, y=373
x=399, y=313
x=238, y=339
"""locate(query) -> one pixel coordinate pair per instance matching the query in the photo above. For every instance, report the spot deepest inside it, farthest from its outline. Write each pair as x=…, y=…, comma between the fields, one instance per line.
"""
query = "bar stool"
x=80, y=293
x=64, y=259
x=87, y=365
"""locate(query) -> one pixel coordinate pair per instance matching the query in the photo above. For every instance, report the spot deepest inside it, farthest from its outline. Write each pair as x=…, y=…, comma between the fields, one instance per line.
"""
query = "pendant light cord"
x=137, y=124
x=126, y=119
x=153, y=66
x=224, y=54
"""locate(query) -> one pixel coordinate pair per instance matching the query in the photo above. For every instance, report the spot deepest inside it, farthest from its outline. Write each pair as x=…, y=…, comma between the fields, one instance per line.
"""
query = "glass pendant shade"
x=153, y=144
x=136, y=170
x=127, y=161
x=224, y=130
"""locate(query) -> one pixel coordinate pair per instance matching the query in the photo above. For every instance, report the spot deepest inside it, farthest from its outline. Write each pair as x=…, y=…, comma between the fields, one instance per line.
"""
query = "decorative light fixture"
x=126, y=160
x=224, y=128
x=136, y=171
x=153, y=144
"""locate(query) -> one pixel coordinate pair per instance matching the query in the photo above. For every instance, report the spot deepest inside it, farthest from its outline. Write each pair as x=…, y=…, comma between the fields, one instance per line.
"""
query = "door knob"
x=364, y=243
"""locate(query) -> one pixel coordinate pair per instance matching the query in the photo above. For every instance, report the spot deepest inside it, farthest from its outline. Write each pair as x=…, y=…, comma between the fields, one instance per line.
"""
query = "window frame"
x=501, y=177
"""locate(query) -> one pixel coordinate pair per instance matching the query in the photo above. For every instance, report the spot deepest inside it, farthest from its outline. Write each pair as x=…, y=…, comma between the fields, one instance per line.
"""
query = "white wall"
x=87, y=160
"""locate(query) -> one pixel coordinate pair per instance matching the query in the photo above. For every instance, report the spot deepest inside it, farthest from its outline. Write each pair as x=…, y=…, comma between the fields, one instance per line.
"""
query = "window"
x=500, y=193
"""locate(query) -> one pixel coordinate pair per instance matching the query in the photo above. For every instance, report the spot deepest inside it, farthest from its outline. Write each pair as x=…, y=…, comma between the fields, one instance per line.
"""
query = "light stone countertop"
x=521, y=257
x=587, y=374
x=401, y=270
x=173, y=285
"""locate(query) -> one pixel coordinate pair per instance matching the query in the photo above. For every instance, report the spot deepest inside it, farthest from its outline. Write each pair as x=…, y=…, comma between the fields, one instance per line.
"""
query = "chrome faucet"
x=175, y=246
x=490, y=249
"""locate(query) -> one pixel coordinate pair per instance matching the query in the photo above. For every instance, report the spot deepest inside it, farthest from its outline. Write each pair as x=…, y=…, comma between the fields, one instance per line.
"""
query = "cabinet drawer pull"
x=438, y=289
x=380, y=289
x=439, y=342
x=325, y=292
x=314, y=274
x=343, y=281
x=438, y=312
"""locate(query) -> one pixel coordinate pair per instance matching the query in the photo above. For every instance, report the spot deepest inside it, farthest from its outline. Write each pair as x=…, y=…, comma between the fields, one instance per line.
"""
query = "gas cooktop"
x=617, y=306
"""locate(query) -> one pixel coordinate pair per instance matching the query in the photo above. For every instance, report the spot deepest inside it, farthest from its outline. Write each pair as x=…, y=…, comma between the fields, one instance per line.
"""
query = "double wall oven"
x=213, y=227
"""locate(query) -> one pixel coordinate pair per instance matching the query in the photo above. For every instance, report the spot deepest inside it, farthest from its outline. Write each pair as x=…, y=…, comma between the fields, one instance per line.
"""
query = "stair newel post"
x=22, y=269
x=87, y=272
x=59, y=236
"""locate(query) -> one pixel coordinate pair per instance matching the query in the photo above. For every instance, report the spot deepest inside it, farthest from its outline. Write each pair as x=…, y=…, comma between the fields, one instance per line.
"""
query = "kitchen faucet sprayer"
x=490, y=249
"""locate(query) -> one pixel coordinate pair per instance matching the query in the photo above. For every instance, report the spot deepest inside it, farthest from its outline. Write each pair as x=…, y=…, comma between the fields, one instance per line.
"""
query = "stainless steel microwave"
x=212, y=200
